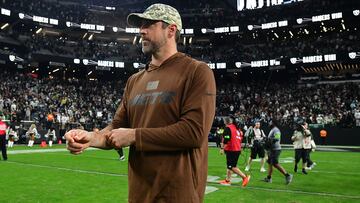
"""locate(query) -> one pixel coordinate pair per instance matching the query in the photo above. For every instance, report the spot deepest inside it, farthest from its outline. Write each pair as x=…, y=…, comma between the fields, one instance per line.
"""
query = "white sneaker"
x=262, y=170
x=247, y=168
x=122, y=158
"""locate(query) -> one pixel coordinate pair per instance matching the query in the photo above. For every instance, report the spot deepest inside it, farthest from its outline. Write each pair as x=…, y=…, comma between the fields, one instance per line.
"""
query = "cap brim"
x=135, y=19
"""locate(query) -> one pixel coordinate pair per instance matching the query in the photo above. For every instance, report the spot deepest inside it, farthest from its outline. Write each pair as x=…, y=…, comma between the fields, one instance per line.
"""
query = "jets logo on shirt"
x=152, y=85
x=153, y=98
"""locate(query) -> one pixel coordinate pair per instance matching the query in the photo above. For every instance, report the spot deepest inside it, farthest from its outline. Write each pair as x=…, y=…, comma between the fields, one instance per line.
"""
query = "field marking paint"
x=282, y=160
x=306, y=193
x=209, y=189
x=211, y=179
x=294, y=191
x=332, y=172
x=68, y=169
x=30, y=151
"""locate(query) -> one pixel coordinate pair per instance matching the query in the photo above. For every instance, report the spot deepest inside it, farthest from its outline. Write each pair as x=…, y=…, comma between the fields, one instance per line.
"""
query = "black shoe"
x=295, y=169
x=288, y=179
x=304, y=172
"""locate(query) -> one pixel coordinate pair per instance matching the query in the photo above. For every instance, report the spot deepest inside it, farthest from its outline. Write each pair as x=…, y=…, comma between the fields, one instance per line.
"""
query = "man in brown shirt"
x=165, y=116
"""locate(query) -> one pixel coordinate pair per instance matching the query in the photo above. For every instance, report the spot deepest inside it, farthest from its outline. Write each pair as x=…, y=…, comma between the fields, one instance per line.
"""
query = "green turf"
x=98, y=176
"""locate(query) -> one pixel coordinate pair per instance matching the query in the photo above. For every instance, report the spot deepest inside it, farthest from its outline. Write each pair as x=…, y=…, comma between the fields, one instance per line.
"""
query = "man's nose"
x=142, y=31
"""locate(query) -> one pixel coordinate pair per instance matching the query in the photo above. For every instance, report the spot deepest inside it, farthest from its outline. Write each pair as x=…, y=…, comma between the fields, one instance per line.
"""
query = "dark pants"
x=309, y=161
x=301, y=154
x=3, y=146
x=120, y=152
x=218, y=140
x=62, y=133
x=323, y=140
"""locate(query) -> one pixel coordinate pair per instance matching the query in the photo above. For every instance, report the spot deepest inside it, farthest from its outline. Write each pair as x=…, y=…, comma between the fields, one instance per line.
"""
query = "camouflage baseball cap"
x=160, y=12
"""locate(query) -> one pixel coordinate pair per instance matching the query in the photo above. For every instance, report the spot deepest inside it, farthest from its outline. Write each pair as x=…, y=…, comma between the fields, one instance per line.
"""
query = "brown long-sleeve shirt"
x=172, y=108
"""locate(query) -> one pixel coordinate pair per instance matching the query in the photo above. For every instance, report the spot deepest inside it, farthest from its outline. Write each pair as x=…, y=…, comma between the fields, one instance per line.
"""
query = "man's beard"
x=152, y=47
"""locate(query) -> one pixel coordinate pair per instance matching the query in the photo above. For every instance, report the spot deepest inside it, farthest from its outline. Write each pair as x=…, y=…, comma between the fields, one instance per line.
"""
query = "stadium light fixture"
x=291, y=33
x=77, y=61
x=39, y=30
x=4, y=26
x=356, y=12
x=91, y=36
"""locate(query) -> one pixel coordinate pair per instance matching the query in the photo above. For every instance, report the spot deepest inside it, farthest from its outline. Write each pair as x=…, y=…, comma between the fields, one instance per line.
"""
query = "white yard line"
x=295, y=191
x=332, y=172
x=30, y=151
x=68, y=169
x=305, y=192
x=210, y=189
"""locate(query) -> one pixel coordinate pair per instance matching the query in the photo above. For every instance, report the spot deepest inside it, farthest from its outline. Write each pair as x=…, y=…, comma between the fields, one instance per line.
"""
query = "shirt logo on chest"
x=152, y=98
x=152, y=85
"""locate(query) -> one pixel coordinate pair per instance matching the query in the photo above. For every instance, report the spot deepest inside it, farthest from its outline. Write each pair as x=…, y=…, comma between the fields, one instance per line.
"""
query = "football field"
x=43, y=175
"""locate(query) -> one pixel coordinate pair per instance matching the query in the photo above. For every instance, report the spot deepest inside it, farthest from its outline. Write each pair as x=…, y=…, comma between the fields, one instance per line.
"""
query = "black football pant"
x=3, y=146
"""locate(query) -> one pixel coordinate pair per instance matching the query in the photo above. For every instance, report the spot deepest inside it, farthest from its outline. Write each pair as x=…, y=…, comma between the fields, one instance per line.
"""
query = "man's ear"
x=172, y=30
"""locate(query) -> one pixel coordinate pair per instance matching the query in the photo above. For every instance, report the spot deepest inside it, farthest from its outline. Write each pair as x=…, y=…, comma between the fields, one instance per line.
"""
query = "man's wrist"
x=132, y=136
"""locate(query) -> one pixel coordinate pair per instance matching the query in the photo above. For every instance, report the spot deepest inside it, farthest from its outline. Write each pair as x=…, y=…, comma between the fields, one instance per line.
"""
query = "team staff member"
x=165, y=116
x=274, y=151
x=3, y=128
x=256, y=136
x=231, y=144
x=302, y=144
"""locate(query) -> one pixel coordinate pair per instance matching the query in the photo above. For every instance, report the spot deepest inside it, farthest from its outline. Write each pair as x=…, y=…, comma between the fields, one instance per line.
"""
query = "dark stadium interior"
x=43, y=78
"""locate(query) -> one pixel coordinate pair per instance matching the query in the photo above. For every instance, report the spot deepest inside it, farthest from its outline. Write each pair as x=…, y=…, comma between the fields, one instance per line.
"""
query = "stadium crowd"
x=195, y=13
x=75, y=101
x=328, y=104
x=214, y=51
x=245, y=47
x=24, y=97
